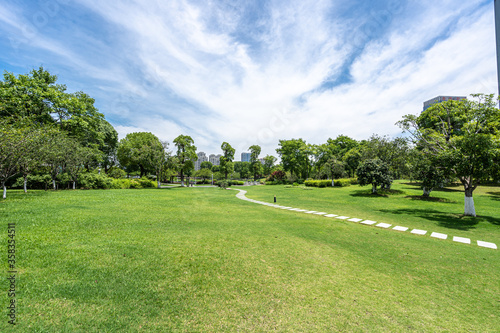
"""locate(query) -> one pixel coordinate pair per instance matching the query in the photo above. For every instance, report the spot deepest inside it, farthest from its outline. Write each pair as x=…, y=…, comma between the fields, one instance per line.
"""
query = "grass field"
x=200, y=260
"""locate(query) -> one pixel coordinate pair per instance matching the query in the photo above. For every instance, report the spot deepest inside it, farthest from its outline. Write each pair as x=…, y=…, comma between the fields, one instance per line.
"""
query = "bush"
x=223, y=184
x=116, y=173
x=236, y=182
x=94, y=181
x=38, y=182
x=120, y=184
x=328, y=183
x=146, y=183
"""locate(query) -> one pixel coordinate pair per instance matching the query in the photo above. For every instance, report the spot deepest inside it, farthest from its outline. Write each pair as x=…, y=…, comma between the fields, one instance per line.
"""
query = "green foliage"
x=94, y=181
x=223, y=184
x=116, y=172
x=343, y=182
x=137, y=152
x=295, y=156
x=34, y=181
x=374, y=172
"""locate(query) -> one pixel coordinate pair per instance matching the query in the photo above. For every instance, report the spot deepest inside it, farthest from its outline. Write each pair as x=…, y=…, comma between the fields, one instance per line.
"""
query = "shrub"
x=146, y=183
x=328, y=183
x=120, y=184
x=278, y=175
x=116, y=173
x=94, y=181
x=236, y=182
x=223, y=184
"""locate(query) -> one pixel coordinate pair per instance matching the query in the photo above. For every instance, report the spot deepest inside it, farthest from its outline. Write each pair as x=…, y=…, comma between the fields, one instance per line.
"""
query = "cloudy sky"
x=254, y=71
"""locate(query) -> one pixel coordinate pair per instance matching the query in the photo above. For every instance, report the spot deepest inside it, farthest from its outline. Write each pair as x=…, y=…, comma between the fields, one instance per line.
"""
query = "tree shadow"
x=430, y=199
x=446, y=220
x=494, y=195
x=368, y=194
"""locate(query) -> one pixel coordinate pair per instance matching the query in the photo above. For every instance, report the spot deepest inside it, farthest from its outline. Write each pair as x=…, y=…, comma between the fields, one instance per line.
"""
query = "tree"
x=374, y=172
x=269, y=161
x=17, y=143
x=158, y=152
x=295, y=156
x=243, y=168
x=206, y=165
x=186, y=154
x=226, y=160
x=203, y=173
x=254, y=161
x=352, y=159
x=463, y=136
x=140, y=151
x=39, y=97
x=76, y=158
x=428, y=172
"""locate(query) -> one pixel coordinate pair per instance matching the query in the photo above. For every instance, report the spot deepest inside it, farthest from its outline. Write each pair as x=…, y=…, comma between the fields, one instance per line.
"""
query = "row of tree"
x=42, y=126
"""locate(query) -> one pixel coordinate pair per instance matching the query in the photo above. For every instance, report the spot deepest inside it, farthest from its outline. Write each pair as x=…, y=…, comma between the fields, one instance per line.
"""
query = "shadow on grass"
x=446, y=220
x=379, y=194
x=494, y=195
x=430, y=199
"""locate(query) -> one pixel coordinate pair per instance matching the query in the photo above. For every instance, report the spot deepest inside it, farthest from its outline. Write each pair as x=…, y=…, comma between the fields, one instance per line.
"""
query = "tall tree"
x=137, y=152
x=463, y=136
x=186, y=154
x=295, y=156
x=254, y=160
x=374, y=172
x=269, y=161
x=226, y=160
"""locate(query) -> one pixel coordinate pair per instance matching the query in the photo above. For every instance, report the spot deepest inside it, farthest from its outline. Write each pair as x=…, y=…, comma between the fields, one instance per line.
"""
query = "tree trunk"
x=74, y=185
x=182, y=179
x=54, y=184
x=427, y=192
x=374, y=188
x=333, y=182
x=469, y=209
x=25, y=184
x=4, y=190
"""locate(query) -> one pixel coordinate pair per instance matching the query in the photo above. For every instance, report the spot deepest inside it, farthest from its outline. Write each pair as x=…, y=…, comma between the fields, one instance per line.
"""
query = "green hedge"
x=328, y=182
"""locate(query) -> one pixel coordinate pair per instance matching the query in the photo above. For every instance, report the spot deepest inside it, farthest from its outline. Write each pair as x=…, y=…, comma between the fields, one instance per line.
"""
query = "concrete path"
x=241, y=195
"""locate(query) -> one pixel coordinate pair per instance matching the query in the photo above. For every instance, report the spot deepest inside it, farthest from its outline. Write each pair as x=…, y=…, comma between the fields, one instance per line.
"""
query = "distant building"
x=440, y=99
x=214, y=159
x=245, y=157
x=262, y=161
x=202, y=157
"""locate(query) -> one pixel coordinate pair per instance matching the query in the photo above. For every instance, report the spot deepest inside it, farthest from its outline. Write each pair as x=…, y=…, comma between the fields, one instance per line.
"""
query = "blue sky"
x=253, y=72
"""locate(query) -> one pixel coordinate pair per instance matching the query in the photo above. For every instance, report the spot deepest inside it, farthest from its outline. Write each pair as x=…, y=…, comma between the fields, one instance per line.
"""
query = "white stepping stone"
x=311, y=211
x=418, y=232
x=320, y=213
x=488, y=245
x=330, y=215
x=296, y=209
x=383, y=225
x=461, y=240
x=438, y=235
x=342, y=217
x=355, y=220
x=286, y=207
x=368, y=222
x=302, y=210
x=399, y=228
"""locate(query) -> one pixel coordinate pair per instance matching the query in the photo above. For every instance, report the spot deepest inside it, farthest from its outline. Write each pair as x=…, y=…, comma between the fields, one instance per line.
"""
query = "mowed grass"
x=403, y=206
x=200, y=260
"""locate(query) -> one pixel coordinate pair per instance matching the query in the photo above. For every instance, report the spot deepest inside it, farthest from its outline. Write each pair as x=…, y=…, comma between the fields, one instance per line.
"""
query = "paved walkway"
x=241, y=195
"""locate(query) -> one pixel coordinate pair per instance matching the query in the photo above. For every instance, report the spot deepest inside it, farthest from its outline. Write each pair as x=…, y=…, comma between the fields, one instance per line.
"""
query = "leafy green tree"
x=203, y=173
x=19, y=145
x=140, y=151
x=295, y=156
x=269, y=161
x=39, y=97
x=186, y=154
x=463, y=136
x=374, y=172
x=76, y=158
x=226, y=160
x=254, y=161
x=206, y=165
x=351, y=160
x=243, y=168
x=427, y=170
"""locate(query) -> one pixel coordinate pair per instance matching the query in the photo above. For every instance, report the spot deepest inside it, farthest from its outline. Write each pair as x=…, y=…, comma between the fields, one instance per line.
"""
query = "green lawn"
x=200, y=260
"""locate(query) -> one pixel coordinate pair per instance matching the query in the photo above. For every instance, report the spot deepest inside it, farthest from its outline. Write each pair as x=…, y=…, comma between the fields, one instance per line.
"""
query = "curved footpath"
x=241, y=195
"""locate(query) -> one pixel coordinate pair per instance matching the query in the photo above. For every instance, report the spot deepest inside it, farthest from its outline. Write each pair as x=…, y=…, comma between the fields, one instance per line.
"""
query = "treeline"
x=49, y=137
